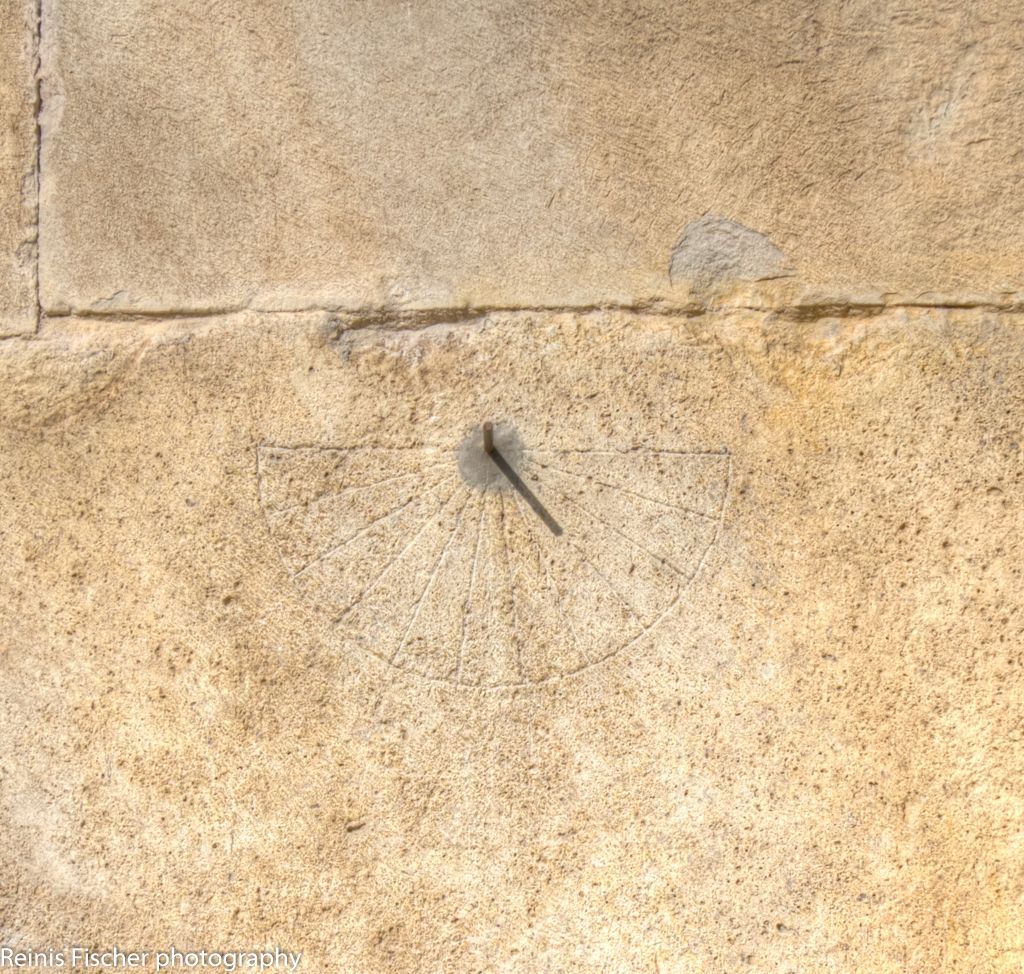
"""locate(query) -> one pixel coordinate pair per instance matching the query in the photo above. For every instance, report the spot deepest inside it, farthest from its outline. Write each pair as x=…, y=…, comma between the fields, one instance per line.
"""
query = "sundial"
x=491, y=562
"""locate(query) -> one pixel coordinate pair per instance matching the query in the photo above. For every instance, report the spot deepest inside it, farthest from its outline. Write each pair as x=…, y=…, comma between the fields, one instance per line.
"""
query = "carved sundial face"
x=497, y=569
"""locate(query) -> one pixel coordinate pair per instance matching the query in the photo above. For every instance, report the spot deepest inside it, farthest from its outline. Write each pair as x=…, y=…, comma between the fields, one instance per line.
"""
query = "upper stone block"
x=523, y=152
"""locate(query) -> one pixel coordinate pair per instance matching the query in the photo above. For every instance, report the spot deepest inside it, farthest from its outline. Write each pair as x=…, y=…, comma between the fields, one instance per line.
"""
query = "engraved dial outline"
x=465, y=585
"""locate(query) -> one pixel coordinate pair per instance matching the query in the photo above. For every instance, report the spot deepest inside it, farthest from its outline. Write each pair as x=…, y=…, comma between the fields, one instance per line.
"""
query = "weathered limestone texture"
x=18, y=177
x=809, y=759
x=298, y=153
x=714, y=664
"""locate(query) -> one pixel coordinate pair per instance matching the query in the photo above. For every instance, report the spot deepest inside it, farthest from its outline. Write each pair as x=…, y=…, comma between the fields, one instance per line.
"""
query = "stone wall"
x=713, y=665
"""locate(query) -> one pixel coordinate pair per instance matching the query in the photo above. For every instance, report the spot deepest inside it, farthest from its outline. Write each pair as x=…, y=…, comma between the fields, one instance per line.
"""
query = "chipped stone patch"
x=714, y=250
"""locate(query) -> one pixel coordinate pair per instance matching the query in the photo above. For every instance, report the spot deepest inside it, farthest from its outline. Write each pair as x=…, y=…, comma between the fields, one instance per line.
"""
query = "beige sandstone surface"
x=301, y=153
x=812, y=761
x=717, y=665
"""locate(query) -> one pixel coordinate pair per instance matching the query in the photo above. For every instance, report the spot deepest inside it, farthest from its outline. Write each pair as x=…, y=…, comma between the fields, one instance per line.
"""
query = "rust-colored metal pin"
x=488, y=437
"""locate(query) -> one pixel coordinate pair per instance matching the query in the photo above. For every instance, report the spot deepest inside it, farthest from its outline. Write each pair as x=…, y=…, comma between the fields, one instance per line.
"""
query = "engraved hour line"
x=718, y=526
x=320, y=448
x=618, y=595
x=394, y=561
x=703, y=558
x=469, y=594
x=637, y=452
x=636, y=544
x=646, y=629
x=557, y=592
x=431, y=578
x=517, y=644
x=348, y=490
x=611, y=587
x=488, y=606
x=334, y=549
x=624, y=490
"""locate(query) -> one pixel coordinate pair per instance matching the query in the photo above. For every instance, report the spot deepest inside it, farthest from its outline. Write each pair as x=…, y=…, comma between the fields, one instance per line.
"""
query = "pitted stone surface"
x=810, y=763
x=713, y=665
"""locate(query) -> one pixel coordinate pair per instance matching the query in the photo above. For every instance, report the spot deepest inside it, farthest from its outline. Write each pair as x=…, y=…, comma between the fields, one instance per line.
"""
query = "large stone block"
x=304, y=154
x=285, y=662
